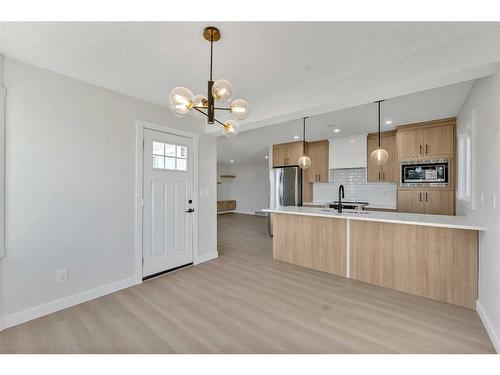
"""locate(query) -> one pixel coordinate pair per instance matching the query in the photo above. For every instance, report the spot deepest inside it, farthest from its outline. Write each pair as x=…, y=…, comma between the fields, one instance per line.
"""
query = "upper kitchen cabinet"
x=347, y=152
x=387, y=172
x=426, y=140
x=287, y=153
x=318, y=153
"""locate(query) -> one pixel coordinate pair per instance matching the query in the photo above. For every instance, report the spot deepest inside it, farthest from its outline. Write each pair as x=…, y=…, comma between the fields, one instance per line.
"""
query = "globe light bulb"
x=239, y=109
x=201, y=102
x=379, y=156
x=230, y=128
x=181, y=101
x=222, y=89
x=304, y=162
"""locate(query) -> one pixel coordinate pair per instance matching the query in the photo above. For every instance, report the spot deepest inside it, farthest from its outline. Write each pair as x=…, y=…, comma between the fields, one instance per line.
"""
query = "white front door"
x=168, y=202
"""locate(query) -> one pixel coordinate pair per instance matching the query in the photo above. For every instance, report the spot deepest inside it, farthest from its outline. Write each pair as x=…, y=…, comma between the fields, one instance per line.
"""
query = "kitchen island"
x=433, y=256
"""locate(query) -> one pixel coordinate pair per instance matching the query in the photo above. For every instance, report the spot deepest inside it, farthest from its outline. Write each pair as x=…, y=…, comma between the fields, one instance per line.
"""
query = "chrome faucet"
x=341, y=195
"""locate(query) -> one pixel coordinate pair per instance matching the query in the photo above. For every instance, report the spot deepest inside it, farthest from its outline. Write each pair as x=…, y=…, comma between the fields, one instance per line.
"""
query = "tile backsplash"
x=377, y=194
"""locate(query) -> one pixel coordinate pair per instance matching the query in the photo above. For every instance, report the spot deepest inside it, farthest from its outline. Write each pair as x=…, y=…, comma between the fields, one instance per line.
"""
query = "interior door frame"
x=139, y=177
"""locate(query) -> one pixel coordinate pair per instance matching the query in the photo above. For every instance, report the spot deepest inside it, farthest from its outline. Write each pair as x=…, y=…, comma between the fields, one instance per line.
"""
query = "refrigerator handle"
x=282, y=182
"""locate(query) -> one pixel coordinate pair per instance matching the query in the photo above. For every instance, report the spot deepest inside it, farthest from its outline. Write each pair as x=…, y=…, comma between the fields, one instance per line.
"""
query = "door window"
x=169, y=156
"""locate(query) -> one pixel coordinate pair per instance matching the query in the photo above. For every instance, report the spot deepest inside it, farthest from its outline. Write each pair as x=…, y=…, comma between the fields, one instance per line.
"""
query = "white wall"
x=250, y=187
x=207, y=177
x=70, y=186
x=484, y=100
x=223, y=184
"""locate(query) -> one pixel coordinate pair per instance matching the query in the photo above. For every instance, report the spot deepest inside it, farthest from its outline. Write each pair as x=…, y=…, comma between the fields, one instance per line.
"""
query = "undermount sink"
x=346, y=211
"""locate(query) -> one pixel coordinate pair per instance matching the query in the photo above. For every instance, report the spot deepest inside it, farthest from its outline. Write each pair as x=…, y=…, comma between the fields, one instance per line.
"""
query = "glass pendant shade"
x=239, y=109
x=379, y=156
x=304, y=162
x=230, y=128
x=201, y=102
x=222, y=89
x=181, y=101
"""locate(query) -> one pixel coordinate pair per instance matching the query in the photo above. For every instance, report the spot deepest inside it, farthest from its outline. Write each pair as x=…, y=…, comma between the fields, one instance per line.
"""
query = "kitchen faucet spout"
x=341, y=195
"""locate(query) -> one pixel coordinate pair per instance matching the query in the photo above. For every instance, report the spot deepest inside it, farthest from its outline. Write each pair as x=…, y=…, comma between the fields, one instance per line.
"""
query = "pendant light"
x=379, y=156
x=182, y=100
x=304, y=160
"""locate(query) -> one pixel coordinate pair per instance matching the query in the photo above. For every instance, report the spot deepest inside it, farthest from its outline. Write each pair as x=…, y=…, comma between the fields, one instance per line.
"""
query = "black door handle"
x=190, y=210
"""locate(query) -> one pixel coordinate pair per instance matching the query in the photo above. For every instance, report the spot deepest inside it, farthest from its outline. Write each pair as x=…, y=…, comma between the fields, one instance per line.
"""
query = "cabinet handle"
x=383, y=175
x=426, y=149
x=426, y=196
x=420, y=196
x=319, y=178
x=420, y=149
x=379, y=175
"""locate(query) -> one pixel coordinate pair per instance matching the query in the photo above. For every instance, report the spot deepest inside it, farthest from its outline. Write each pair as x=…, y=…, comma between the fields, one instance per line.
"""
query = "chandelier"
x=182, y=100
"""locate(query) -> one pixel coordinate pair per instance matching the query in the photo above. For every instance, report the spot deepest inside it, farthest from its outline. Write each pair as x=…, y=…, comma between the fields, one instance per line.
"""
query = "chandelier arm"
x=222, y=108
x=199, y=110
x=221, y=123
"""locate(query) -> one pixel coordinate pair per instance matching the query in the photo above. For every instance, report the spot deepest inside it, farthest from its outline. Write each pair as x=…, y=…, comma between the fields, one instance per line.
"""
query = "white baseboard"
x=489, y=327
x=206, y=257
x=244, y=212
x=63, y=303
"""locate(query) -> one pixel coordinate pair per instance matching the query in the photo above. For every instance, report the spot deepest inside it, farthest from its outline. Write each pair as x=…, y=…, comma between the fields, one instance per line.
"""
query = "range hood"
x=348, y=152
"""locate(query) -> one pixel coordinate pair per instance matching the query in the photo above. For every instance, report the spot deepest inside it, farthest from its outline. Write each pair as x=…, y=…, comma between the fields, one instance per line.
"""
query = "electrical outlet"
x=62, y=276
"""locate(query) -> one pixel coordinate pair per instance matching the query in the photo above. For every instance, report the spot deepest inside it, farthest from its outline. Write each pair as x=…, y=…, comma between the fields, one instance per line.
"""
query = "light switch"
x=494, y=200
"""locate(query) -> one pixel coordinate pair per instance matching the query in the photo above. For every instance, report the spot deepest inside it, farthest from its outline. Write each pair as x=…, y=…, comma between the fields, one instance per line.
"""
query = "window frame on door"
x=176, y=157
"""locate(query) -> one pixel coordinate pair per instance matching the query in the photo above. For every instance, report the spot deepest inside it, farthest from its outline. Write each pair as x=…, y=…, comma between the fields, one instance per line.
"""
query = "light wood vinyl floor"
x=246, y=302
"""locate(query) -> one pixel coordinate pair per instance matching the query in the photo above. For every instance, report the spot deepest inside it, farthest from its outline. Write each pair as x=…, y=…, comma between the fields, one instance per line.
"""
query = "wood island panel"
x=312, y=242
x=433, y=262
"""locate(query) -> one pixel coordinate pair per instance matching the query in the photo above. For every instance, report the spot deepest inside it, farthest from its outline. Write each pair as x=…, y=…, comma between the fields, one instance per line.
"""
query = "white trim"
x=348, y=249
x=206, y=257
x=3, y=94
x=489, y=327
x=64, y=303
x=139, y=176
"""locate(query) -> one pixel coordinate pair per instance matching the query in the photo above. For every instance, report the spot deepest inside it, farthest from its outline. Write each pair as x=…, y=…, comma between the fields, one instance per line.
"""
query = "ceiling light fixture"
x=183, y=101
x=296, y=137
x=304, y=161
x=388, y=122
x=379, y=156
x=231, y=161
x=336, y=130
x=266, y=157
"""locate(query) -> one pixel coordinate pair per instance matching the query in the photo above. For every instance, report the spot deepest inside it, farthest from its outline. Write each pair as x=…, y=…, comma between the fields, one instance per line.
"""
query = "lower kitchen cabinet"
x=313, y=242
x=436, y=202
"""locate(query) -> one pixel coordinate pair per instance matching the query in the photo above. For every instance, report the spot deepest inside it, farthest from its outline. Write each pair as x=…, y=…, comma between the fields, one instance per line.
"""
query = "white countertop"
x=445, y=221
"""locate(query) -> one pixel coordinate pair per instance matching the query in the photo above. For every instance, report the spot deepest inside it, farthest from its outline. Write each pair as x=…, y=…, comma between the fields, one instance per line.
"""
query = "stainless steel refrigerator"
x=286, y=189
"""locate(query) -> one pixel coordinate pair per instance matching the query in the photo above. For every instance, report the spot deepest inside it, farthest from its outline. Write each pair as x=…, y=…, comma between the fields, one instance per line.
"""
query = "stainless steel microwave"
x=424, y=173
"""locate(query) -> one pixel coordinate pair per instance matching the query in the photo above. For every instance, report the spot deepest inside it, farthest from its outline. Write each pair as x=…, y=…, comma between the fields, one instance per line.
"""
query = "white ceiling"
x=253, y=145
x=283, y=69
